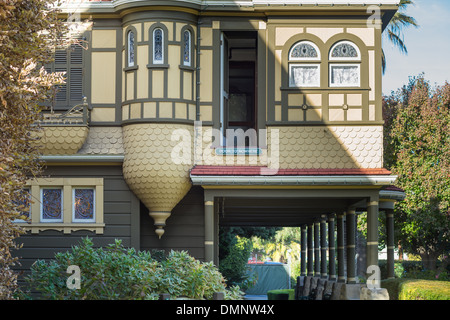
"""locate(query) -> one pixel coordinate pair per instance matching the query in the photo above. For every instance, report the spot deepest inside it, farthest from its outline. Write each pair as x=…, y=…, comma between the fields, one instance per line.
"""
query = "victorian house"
x=179, y=117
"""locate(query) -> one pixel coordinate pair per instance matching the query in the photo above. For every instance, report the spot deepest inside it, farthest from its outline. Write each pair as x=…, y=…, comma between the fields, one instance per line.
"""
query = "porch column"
x=209, y=230
x=340, y=247
x=351, y=245
x=331, y=248
x=323, y=247
x=372, y=232
x=310, y=251
x=316, y=249
x=390, y=243
x=303, y=251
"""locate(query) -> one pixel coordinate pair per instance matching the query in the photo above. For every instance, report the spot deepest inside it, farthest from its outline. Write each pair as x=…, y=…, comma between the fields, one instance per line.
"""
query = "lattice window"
x=158, y=46
x=304, y=50
x=52, y=205
x=131, y=49
x=306, y=74
x=83, y=204
x=187, y=48
x=347, y=72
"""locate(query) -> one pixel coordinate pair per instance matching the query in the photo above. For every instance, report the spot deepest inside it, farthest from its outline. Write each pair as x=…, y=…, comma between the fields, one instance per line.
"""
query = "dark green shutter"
x=69, y=60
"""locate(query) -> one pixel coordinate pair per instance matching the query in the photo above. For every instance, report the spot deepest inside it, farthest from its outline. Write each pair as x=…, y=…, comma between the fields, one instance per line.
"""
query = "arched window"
x=158, y=46
x=130, y=47
x=306, y=73
x=187, y=48
x=345, y=61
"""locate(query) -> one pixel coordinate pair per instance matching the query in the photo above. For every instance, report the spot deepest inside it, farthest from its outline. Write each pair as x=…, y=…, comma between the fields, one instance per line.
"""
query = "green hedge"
x=280, y=293
x=415, y=289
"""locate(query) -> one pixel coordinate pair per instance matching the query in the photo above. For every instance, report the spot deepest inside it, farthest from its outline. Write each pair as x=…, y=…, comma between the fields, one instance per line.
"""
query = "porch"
x=324, y=203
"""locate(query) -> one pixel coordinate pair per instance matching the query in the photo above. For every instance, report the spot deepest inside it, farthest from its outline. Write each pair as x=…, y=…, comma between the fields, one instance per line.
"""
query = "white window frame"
x=358, y=58
x=357, y=65
x=42, y=219
x=73, y=206
x=305, y=59
x=154, y=47
x=293, y=85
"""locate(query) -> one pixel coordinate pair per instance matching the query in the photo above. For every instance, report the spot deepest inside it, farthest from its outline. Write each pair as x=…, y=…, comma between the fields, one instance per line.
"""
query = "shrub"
x=414, y=289
x=234, y=266
x=116, y=272
x=280, y=294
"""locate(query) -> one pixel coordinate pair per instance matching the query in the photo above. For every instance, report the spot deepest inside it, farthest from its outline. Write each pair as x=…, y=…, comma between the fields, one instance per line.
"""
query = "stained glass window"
x=344, y=75
x=344, y=50
x=158, y=46
x=51, y=204
x=131, y=49
x=187, y=48
x=304, y=75
x=304, y=50
x=83, y=204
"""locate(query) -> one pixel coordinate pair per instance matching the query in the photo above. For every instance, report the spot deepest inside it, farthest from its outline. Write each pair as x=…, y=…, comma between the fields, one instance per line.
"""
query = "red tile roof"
x=262, y=171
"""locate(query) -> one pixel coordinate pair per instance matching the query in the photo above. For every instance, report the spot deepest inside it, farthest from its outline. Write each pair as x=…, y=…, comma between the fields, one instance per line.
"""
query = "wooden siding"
x=121, y=217
x=184, y=229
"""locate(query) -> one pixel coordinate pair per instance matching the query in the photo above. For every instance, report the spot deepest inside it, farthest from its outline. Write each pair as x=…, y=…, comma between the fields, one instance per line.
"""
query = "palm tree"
x=394, y=30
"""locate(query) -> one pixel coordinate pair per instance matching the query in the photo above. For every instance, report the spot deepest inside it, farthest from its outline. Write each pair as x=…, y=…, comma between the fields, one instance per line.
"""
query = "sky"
x=428, y=47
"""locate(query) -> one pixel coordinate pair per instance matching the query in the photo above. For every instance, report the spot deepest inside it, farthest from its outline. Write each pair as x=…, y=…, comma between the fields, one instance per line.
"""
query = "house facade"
x=178, y=117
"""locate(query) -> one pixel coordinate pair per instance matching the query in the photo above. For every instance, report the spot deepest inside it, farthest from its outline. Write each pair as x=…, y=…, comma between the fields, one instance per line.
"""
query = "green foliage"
x=116, y=272
x=417, y=149
x=234, y=266
x=413, y=289
x=280, y=294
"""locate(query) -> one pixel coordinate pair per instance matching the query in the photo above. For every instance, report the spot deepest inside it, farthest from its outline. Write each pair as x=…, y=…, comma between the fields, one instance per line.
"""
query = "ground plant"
x=119, y=273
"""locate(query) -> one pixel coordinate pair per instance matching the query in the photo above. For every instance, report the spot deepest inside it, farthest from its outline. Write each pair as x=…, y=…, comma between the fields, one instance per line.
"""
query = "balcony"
x=63, y=133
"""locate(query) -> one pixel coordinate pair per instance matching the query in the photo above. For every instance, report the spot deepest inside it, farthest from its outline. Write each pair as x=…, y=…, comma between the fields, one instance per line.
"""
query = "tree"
x=417, y=146
x=25, y=43
x=394, y=30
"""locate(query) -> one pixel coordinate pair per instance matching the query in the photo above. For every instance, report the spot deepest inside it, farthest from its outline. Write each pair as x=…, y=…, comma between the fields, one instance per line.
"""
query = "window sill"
x=65, y=227
x=187, y=68
x=226, y=151
x=158, y=66
x=131, y=68
x=325, y=88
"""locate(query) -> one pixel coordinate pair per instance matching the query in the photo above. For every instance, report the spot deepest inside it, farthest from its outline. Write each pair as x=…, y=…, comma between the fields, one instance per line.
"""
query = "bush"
x=414, y=289
x=234, y=266
x=281, y=294
x=126, y=274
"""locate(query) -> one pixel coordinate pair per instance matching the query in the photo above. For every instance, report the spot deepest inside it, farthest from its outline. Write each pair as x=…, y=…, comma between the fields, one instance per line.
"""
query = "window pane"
x=303, y=50
x=344, y=50
x=187, y=48
x=52, y=204
x=158, y=46
x=130, y=49
x=84, y=204
x=304, y=76
x=345, y=75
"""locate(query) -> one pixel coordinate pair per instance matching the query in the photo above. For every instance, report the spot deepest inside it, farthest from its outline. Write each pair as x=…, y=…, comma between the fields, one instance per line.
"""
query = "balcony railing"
x=78, y=115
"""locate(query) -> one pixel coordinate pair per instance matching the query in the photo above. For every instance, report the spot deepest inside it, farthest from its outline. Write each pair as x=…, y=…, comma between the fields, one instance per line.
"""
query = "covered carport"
x=324, y=203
